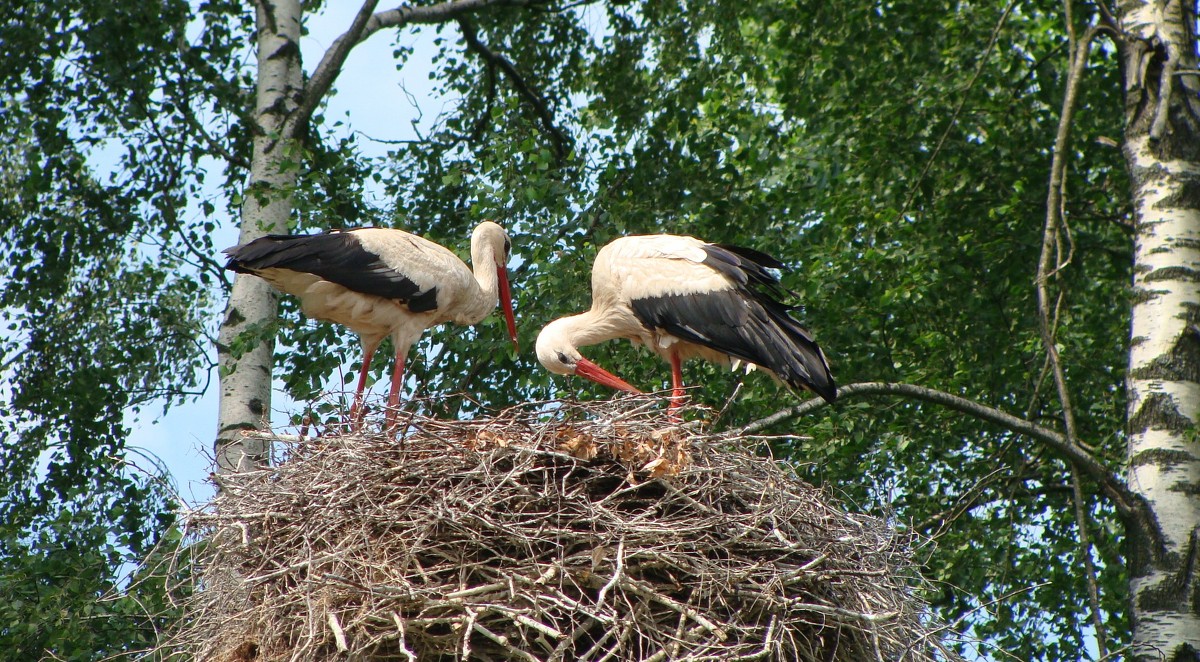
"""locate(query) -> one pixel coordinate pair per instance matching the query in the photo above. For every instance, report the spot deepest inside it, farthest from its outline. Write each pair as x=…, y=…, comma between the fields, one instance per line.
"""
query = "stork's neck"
x=592, y=327
x=483, y=300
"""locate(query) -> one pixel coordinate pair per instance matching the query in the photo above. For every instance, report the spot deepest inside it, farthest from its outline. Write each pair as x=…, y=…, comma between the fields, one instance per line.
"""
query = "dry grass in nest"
x=552, y=531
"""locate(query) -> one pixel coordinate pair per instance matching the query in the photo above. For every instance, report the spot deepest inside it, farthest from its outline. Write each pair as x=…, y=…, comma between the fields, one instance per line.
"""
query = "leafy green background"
x=895, y=155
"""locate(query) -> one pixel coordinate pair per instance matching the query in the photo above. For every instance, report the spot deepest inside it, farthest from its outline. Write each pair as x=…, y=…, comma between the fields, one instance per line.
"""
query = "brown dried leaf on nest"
x=498, y=539
x=659, y=453
x=673, y=456
x=485, y=439
x=576, y=443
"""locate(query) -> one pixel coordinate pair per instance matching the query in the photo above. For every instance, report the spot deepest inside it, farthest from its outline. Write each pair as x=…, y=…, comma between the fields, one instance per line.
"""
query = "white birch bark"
x=1162, y=149
x=245, y=393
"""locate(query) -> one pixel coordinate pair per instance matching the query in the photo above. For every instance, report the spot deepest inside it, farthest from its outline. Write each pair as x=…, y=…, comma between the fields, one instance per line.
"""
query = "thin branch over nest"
x=553, y=531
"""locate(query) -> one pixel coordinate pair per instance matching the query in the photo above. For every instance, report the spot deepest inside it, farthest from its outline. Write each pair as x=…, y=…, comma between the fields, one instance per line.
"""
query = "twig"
x=339, y=637
x=1048, y=322
x=466, y=636
x=846, y=613
x=562, y=143
x=412, y=657
x=1131, y=507
x=962, y=102
x=619, y=566
x=364, y=25
x=1089, y=567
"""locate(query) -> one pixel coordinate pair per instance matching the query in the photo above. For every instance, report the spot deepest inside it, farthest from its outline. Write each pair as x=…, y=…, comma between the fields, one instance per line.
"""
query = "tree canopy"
x=897, y=156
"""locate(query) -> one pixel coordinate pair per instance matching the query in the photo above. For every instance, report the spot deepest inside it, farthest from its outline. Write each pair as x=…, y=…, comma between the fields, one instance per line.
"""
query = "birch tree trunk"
x=1162, y=148
x=245, y=400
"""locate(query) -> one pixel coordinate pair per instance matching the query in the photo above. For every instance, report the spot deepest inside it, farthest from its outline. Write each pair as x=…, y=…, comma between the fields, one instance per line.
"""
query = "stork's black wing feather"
x=746, y=325
x=337, y=257
x=745, y=321
x=745, y=266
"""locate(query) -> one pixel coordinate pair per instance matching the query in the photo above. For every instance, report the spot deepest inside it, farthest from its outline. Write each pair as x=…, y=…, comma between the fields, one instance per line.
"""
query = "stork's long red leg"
x=356, y=410
x=676, y=385
x=394, y=397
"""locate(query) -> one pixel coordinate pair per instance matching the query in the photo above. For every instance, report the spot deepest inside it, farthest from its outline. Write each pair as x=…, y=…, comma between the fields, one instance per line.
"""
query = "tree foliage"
x=897, y=158
x=895, y=155
x=104, y=301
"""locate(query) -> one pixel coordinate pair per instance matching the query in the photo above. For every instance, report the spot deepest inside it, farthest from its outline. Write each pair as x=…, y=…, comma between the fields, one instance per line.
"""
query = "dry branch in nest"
x=550, y=532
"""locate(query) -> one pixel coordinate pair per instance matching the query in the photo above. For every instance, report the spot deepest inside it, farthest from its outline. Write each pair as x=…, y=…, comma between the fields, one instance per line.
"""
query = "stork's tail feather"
x=791, y=353
x=273, y=250
x=786, y=347
x=745, y=325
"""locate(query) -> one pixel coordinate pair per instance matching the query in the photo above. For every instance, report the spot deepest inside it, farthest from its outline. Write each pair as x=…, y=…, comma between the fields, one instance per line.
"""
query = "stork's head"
x=557, y=352
x=490, y=241
x=491, y=235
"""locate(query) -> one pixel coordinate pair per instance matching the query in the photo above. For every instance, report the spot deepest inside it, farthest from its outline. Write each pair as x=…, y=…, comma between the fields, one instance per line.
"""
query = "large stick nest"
x=550, y=532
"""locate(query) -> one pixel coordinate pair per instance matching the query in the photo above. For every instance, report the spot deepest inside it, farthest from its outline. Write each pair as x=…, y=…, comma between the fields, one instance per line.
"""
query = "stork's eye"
x=563, y=358
x=507, y=247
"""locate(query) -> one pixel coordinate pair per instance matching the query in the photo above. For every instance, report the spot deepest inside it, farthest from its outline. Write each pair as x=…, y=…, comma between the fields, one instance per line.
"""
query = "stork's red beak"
x=506, y=305
x=587, y=369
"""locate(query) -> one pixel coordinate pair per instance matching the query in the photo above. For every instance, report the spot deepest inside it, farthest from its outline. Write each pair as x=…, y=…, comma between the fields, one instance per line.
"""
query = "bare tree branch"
x=215, y=145
x=1108, y=22
x=562, y=143
x=434, y=13
x=329, y=68
x=1085, y=554
x=1130, y=506
x=364, y=25
x=1052, y=250
x=485, y=116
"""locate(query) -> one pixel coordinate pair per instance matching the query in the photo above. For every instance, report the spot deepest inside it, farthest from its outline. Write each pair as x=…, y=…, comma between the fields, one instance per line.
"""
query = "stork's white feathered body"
x=684, y=298
x=381, y=282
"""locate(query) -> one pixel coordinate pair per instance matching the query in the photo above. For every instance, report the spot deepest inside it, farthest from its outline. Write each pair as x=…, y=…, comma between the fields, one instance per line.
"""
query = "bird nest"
x=552, y=531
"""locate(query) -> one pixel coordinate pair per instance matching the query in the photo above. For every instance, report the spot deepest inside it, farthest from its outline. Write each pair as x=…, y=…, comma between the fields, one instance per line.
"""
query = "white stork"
x=682, y=298
x=380, y=281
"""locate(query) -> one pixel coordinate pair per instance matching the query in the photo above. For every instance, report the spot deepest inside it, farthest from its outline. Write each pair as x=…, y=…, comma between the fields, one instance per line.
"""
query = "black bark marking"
x=1187, y=196
x=1173, y=273
x=268, y=15
x=1185, y=653
x=1158, y=411
x=1180, y=364
x=286, y=51
x=1177, y=139
x=1150, y=173
x=235, y=317
x=1141, y=295
x=1180, y=585
x=256, y=407
x=1182, y=242
x=1160, y=457
x=1182, y=361
x=235, y=427
x=1178, y=592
